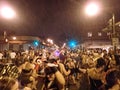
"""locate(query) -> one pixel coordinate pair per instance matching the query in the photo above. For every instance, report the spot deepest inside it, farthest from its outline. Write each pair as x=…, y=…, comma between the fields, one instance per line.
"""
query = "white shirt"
x=1, y=55
x=12, y=55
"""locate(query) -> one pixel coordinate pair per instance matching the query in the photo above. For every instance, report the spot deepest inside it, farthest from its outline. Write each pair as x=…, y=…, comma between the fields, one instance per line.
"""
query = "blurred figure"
x=7, y=83
x=27, y=76
x=1, y=55
x=113, y=80
x=71, y=65
x=54, y=79
x=96, y=74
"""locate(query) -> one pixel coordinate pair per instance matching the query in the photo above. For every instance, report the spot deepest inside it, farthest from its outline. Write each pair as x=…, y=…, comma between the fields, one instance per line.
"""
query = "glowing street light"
x=92, y=9
x=14, y=38
x=6, y=40
x=7, y=12
x=50, y=41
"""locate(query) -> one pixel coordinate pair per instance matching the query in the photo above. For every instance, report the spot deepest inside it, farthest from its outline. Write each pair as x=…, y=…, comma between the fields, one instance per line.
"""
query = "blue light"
x=36, y=43
x=72, y=43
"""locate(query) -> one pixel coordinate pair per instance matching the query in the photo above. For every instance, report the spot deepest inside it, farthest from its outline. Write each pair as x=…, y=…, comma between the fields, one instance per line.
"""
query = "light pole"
x=92, y=9
x=7, y=13
x=112, y=27
x=115, y=39
x=113, y=19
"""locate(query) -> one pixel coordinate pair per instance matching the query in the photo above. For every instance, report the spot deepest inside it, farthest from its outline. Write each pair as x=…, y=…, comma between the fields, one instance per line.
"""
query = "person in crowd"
x=61, y=66
x=1, y=55
x=28, y=76
x=7, y=83
x=38, y=65
x=54, y=79
x=12, y=56
x=96, y=74
x=107, y=59
x=117, y=59
x=62, y=55
x=112, y=80
x=71, y=65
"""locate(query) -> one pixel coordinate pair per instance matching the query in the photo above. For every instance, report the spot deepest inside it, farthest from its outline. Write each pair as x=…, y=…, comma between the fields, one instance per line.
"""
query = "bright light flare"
x=50, y=41
x=7, y=12
x=36, y=43
x=6, y=40
x=72, y=43
x=92, y=9
x=14, y=38
x=56, y=53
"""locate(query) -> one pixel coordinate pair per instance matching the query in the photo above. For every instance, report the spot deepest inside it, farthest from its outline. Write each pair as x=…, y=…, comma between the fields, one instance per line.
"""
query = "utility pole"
x=112, y=28
x=115, y=39
x=113, y=21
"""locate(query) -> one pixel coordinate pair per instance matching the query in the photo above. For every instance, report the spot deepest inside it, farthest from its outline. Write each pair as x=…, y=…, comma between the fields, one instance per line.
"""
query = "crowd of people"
x=59, y=69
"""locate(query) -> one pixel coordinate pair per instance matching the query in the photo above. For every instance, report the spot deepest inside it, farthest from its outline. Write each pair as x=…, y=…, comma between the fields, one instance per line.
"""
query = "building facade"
x=20, y=43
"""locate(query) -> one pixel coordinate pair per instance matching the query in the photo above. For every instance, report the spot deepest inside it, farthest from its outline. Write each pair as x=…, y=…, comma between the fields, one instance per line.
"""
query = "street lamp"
x=112, y=28
x=14, y=38
x=7, y=12
x=92, y=9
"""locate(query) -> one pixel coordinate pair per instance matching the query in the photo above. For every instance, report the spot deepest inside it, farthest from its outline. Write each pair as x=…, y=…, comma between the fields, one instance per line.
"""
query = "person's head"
x=38, y=61
x=100, y=63
x=112, y=77
x=8, y=83
x=28, y=69
x=53, y=60
x=49, y=74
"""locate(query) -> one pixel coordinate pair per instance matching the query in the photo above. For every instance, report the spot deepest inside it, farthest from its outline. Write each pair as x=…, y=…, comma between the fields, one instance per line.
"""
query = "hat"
x=48, y=70
x=100, y=62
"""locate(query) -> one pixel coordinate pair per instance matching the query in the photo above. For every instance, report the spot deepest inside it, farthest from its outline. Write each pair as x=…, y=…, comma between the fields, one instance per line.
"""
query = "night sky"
x=59, y=20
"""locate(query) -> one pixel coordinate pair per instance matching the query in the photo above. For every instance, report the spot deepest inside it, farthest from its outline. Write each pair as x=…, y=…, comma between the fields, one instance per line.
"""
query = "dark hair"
x=111, y=78
x=48, y=70
x=6, y=83
x=100, y=62
x=52, y=60
x=117, y=59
